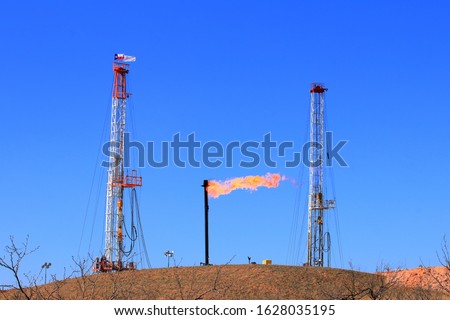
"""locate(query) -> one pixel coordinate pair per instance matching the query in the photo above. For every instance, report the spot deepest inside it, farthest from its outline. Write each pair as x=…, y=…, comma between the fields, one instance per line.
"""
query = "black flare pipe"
x=205, y=188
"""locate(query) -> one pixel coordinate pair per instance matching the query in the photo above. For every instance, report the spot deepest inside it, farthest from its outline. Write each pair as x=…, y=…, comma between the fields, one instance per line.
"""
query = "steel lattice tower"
x=318, y=241
x=117, y=180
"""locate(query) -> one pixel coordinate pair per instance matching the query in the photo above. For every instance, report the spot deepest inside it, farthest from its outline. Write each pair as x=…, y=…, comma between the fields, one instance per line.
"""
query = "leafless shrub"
x=190, y=288
x=12, y=261
x=370, y=286
x=442, y=279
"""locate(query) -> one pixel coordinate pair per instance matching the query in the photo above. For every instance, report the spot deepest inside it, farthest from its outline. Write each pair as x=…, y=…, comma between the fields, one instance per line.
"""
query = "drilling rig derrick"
x=112, y=258
x=318, y=239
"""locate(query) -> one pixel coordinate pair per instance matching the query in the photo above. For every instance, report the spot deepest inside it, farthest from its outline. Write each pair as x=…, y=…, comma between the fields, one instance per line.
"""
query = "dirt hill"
x=234, y=282
x=436, y=278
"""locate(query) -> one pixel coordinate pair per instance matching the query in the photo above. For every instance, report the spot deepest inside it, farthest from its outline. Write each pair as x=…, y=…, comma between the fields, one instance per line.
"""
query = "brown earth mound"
x=242, y=282
x=431, y=278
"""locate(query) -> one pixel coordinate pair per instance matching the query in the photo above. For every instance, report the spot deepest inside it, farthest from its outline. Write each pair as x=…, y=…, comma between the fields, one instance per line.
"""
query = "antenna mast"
x=318, y=241
x=112, y=260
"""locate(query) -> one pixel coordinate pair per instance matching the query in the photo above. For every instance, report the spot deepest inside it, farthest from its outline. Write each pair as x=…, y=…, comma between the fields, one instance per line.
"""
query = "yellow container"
x=267, y=262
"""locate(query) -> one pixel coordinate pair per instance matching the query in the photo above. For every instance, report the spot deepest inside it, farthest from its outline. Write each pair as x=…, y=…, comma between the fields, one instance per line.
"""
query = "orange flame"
x=218, y=188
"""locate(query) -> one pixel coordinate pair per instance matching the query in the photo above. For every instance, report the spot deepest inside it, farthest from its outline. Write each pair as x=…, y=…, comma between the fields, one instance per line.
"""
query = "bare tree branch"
x=12, y=262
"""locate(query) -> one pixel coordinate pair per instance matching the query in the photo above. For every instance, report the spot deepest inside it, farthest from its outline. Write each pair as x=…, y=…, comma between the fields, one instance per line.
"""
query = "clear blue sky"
x=227, y=70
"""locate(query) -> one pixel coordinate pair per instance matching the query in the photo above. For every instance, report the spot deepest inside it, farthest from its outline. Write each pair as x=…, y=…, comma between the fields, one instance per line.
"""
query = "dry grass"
x=242, y=282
